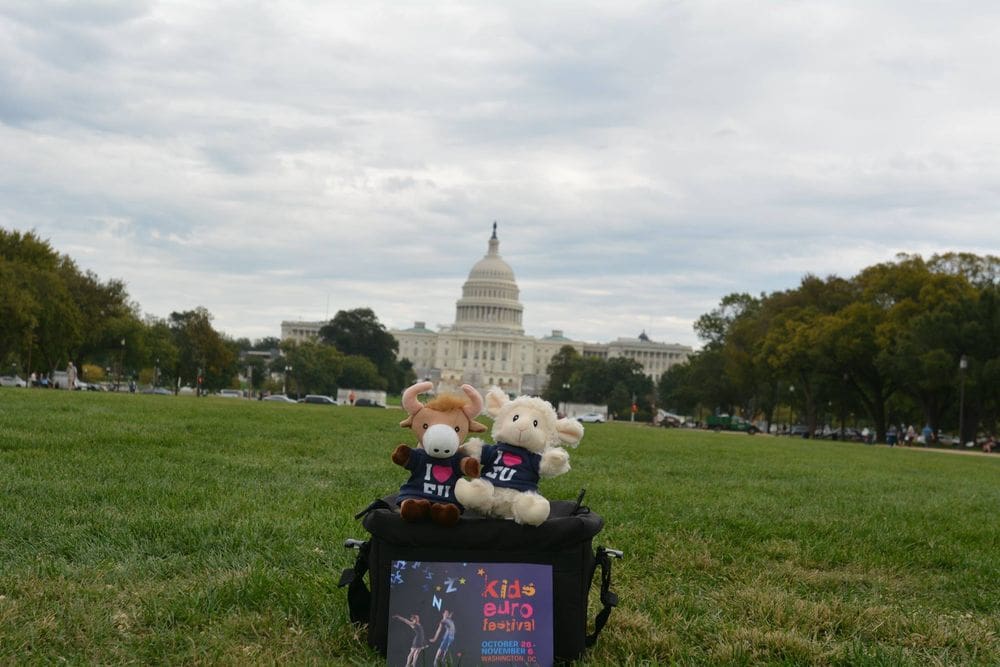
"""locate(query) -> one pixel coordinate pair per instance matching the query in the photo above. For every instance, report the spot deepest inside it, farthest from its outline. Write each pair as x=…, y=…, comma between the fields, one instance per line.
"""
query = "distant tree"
x=619, y=401
x=560, y=370
x=40, y=321
x=360, y=373
x=315, y=367
x=359, y=332
x=259, y=373
x=266, y=344
x=202, y=348
x=591, y=382
x=675, y=391
x=162, y=354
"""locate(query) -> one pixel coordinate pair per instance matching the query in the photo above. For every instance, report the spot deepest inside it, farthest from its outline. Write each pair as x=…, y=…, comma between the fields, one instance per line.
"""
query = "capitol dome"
x=490, y=295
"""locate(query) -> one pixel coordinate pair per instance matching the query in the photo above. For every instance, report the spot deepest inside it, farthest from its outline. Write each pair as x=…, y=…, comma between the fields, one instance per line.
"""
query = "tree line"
x=912, y=341
x=618, y=382
x=52, y=312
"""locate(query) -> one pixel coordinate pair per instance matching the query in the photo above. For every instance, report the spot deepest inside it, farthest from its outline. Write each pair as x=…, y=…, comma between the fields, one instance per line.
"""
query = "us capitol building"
x=486, y=345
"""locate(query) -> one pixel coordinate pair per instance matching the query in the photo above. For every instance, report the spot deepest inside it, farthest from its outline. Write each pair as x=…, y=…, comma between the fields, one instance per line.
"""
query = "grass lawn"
x=158, y=529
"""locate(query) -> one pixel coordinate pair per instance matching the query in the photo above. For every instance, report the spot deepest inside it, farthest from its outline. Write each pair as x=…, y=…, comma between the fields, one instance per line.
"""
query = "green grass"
x=152, y=529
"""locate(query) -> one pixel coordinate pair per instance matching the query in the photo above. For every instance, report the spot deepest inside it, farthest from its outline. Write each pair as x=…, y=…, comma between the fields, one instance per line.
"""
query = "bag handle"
x=359, y=598
x=608, y=597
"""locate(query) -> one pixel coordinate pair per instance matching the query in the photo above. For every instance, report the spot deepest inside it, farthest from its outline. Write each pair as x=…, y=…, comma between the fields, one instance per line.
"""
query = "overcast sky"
x=287, y=160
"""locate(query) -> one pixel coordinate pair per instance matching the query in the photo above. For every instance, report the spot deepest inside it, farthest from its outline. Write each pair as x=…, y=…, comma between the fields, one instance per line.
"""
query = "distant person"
x=445, y=629
x=928, y=434
x=891, y=437
x=419, y=640
x=70, y=376
x=911, y=435
x=351, y=397
x=989, y=444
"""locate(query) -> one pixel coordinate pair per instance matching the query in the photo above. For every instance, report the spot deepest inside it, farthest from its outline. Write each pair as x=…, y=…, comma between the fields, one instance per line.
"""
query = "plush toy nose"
x=440, y=441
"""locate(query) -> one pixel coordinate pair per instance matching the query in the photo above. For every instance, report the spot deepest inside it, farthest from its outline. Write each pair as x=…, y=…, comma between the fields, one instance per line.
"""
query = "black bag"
x=563, y=541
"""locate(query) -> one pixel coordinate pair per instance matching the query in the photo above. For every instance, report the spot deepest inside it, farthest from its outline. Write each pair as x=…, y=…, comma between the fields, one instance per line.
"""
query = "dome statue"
x=490, y=295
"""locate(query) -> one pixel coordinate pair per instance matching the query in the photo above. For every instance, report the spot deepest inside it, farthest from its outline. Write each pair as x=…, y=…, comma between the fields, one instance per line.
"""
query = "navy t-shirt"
x=509, y=467
x=431, y=478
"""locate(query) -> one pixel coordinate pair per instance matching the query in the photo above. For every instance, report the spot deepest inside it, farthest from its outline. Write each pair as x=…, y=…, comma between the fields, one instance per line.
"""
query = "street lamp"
x=791, y=406
x=843, y=407
x=284, y=380
x=963, y=364
x=121, y=363
x=156, y=373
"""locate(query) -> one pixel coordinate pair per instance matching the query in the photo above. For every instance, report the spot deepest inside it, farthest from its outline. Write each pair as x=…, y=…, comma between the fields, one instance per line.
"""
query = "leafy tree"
x=793, y=346
x=359, y=332
x=675, y=391
x=360, y=373
x=560, y=371
x=202, y=348
x=315, y=368
x=39, y=315
x=163, y=355
x=266, y=344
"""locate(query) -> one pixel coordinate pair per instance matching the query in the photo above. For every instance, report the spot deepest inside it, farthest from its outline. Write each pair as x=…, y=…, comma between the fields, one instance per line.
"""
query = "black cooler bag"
x=563, y=542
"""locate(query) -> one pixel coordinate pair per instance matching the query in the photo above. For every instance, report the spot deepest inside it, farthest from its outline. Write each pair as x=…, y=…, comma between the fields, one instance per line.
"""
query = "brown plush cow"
x=438, y=461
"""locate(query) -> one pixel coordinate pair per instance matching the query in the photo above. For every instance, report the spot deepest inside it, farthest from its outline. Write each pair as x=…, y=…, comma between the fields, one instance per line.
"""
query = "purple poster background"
x=501, y=614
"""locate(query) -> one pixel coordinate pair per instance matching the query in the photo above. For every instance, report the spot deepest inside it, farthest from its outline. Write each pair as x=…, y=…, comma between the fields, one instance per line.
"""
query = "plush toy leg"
x=414, y=509
x=444, y=514
x=530, y=509
x=476, y=494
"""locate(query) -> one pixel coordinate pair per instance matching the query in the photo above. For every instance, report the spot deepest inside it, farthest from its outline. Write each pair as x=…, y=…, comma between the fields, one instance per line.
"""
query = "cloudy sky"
x=286, y=160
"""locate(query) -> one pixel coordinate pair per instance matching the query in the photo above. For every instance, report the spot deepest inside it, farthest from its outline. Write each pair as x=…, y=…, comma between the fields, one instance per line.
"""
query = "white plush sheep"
x=528, y=435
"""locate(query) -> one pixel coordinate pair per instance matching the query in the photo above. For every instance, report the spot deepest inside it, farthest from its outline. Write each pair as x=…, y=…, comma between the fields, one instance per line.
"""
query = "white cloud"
x=643, y=160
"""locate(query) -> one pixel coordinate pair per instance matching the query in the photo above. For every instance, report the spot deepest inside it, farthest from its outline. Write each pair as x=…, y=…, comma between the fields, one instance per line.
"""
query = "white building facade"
x=486, y=346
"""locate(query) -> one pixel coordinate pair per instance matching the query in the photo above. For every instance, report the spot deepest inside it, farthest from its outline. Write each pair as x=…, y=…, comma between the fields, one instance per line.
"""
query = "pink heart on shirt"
x=511, y=459
x=441, y=473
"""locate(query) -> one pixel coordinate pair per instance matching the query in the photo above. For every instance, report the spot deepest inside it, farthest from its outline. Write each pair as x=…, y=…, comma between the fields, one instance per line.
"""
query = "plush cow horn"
x=475, y=405
x=410, y=401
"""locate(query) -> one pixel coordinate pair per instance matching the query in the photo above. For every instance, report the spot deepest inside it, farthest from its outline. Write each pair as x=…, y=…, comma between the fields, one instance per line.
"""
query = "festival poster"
x=470, y=614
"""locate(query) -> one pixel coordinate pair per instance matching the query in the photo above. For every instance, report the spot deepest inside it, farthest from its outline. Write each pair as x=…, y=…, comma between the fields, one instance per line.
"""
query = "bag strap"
x=359, y=598
x=608, y=598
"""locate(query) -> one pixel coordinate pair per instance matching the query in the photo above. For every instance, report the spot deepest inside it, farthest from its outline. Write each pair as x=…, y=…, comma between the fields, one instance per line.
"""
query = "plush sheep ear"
x=495, y=399
x=570, y=431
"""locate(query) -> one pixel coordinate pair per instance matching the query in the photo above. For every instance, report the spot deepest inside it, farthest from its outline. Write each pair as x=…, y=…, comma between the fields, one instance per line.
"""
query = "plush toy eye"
x=516, y=417
x=425, y=427
x=535, y=423
x=458, y=430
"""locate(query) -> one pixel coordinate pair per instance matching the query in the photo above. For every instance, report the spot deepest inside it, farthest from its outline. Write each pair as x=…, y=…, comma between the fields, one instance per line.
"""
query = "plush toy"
x=527, y=433
x=438, y=461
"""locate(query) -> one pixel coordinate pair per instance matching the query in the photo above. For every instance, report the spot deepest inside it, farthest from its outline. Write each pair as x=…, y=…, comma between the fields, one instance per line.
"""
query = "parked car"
x=367, y=403
x=12, y=381
x=670, y=421
x=848, y=434
x=591, y=418
x=730, y=423
x=230, y=393
x=318, y=399
x=279, y=398
x=159, y=391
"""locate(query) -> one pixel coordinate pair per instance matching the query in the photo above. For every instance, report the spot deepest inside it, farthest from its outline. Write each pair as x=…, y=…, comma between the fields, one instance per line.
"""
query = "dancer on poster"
x=419, y=641
x=447, y=627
